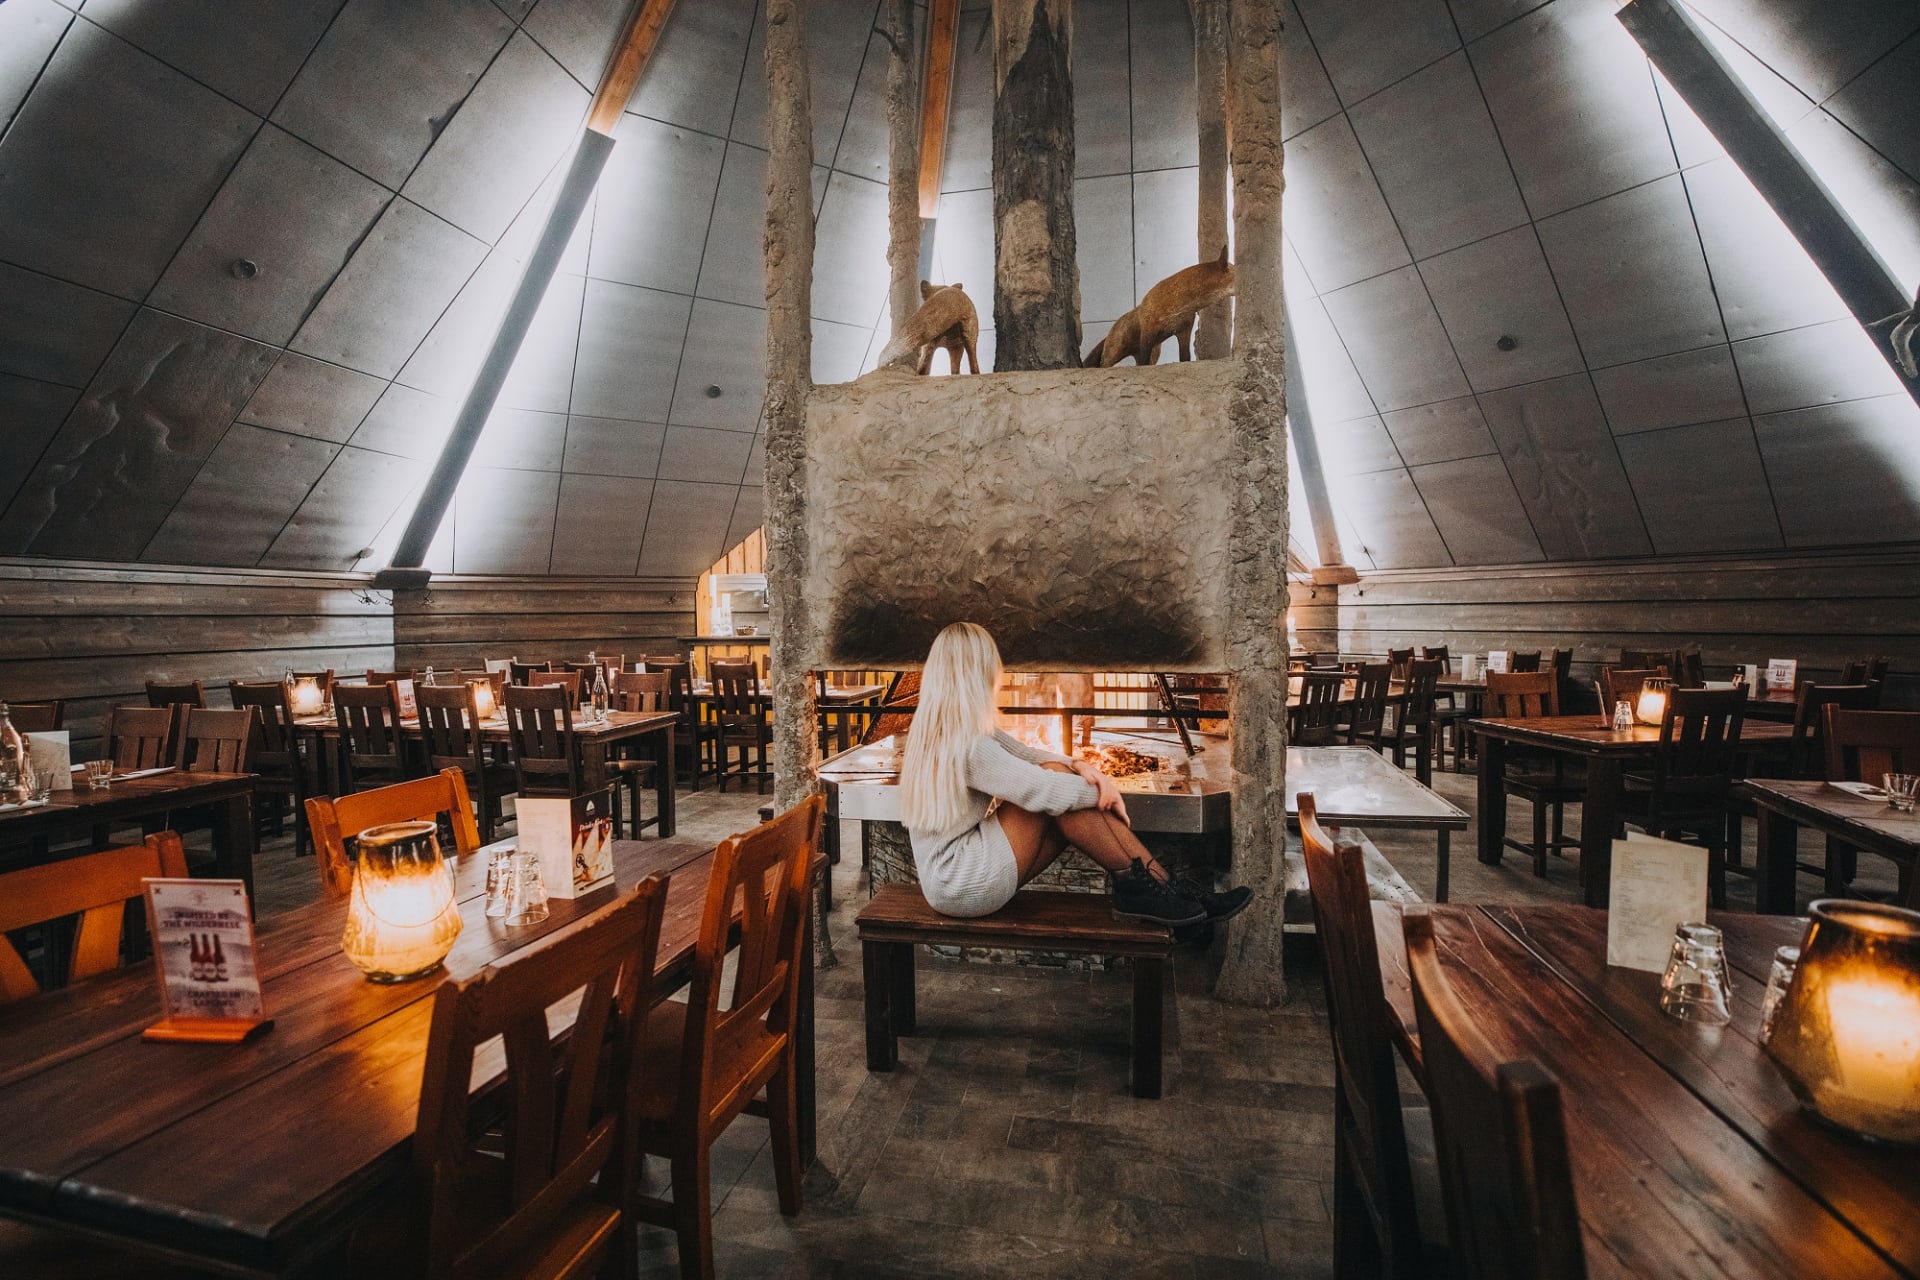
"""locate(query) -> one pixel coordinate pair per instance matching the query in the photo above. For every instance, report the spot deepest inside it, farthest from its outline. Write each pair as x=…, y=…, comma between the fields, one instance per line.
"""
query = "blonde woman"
x=987, y=813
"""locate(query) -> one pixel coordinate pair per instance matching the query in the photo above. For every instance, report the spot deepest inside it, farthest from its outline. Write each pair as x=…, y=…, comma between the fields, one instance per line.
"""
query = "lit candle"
x=402, y=918
x=1875, y=1024
x=1652, y=706
x=483, y=704
x=305, y=697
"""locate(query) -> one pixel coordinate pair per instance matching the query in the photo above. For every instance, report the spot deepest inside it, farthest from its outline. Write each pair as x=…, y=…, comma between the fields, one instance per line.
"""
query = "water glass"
x=1900, y=790
x=1779, y=978
x=527, y=895
x=1622, y=716
x=1695, y=987
x=39, y=785
x=99, y=775
x=499, y=882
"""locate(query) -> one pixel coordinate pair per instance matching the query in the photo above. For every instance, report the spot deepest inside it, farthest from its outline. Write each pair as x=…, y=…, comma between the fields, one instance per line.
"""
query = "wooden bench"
x=898, y=918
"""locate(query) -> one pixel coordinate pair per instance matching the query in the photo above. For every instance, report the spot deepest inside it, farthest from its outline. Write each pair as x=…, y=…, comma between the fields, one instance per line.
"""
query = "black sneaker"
x=1139, y=895
x=1219, y=906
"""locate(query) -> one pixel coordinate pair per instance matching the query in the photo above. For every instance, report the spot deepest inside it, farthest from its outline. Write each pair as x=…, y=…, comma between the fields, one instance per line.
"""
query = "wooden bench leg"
x=882, y=1049
x=1149, y=993
x=900, y=1005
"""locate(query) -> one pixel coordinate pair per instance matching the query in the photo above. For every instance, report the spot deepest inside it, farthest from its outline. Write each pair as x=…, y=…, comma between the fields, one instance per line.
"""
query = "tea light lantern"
x=306, y=698
x=484, y=705
x=402, y=918
x=1651, y=706
x=1847, y=1033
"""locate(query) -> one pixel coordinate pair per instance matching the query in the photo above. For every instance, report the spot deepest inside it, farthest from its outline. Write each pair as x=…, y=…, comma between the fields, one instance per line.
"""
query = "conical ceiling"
x=250, y=257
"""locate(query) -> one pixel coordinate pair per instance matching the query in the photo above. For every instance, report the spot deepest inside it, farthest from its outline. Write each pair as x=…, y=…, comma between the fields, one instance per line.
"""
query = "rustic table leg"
x=663, y=779
x=882, y=1050
x=1597, y=820
x=805, y=1091
x=1445, y=852
x=901, y=1010
x=1493, y=799
x=235, y=841
x=1775, y=863
x=1149, y=1023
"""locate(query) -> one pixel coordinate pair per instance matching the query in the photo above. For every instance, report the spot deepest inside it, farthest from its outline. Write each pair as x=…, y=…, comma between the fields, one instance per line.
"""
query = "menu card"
x=51, y=755
x=203, y=952
x=573, y=837
x=409, y=705
x=1499, y=659
x=1657, y=886
x=1782, y=673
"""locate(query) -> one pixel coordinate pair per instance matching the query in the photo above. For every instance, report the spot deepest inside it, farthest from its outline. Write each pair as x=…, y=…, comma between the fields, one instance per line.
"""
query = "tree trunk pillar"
x=903, y=166
x=1036, y=278
x=1213, y=337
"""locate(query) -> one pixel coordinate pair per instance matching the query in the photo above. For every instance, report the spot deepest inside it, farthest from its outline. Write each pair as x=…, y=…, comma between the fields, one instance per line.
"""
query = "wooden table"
x=1772, y=704
x=838, y=707
x=1690, y=1157
x=1606, y=752
x=592, y=741
x=1784, y=806
x=139, y=799
x=1357, y=786
x=257, y=1158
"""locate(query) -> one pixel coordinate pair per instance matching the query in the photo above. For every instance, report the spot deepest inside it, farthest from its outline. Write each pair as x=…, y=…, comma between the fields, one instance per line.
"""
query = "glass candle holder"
x=402, y=918
x=305, y=697
x=1651, y=706
x=1847, y=1032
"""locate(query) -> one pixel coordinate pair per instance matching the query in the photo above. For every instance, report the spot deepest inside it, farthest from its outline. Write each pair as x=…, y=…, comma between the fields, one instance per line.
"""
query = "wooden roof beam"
x=936, y=105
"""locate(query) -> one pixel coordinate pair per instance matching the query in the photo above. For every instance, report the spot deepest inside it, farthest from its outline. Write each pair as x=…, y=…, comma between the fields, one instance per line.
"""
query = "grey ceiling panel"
x=969, y=164
x=630, y=342
x=407, y=423
x=1103, y=228
x=135, y=440
x=580, y=34
x=863, y=143
x=394, y=288
x=33, y=412
x=1306, y=95
x=747, y=515
x=1821, y=364
x=1693, y=142
x=850, y=252
x=611, y=447
x=29, y=30
x=1883, y=200
x=54, y=331
x=1764, y=278
x=515, y=9
x=310, y=397
x=1367, y=47
x=1102, y=96
x=1351, y=448
x=517, y=125
x=388, y=77
x=1881, y=107
x=726, y=348
x=109, y=163
x=1164, y=228
x=522, y=439
x=1565, y=466
x=234, y=509
x=757, y=461
x=1476, y=18
x=503, y=520
x=697, y=453
x=1445, y=431
x=1818, y=45
x=1335, y=216
x=732, y=268
x=600, y=524
x=696, y=70
x=1632, y=275
x=1702, y=488
x=686, y=528
x=542, y=376
x=1501, y=288
x=836, y=43
x=1694, y=386
x=1437, y=158
x=963, y=248
x=1856, y=475
x=1165, y=127
x=655, y=198
x=247, y=52
x=353, y=501
x=1394, y=528
x=291, y=211
x=839, y=353
x=1394, y=336
x=1473, y=504
x=1574, y=103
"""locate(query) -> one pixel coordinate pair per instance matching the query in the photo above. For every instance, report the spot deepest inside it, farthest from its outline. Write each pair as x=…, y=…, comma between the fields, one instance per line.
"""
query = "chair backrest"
x=98, y=888
x=322, y=678
x=1312, y=723
x=276, y=747
x=392, y=677
x=1368, y=714
x=640, y=691
x=1689, y=669
x=565, y=1138
x=217, y=741
x=369, y=720
x=734, y=687
x=1439, y=654
x=1501, y=1140
x=1699, y=749
x=1398, y=660
x=46, y=715
x=1854, y=673
x=769, y=868
x=679, y=684
x=449, y=726
x=1862, y=745
x=1418, y=690
x=1324, y=659
x=1877, y=668
x=1622, y=684
x=338, y=820
x=540, y=723
x=1366, y=1090
x=519, y=672
x=1658, y=661
x=567, y=680
x=1807, y=752
x=1524, y=661
x=192, y=693
x=1522, y=694
x=141, y=737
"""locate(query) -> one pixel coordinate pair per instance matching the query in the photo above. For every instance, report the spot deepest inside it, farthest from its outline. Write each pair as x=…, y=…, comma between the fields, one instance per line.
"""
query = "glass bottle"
x=428, y=678
x=600, y=695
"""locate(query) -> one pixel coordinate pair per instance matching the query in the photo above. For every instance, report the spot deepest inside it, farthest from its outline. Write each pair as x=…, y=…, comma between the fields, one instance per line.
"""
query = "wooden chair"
x=392, y=677
x=371, y=745
x=1622, y=684
x=99, y=888
x=1376, y=1214
x=587, y=671
x=1523, y=662
x=336, y=820
x=1861, y=747
x=192, y=693
x=275, y=756
x=640, y=691
x=1689, y=669
x=1366, y=719
x=1542, y=779
x=519, y=672
x=705, y=1064
x=1414, y=720
x=1806, y=749
x=1324, y=659
x=1561, y=664
x=1449, y=717
x=1315, y=721
x=540, y=724
x=539, y=1187
x=1500, y=1137
x=567, y=680
x=217, y=741
x=40, y=716
x=141, y=738
x=1693, y=771
x=695, y=737
x=742, y=719
x=450, y=730
x=1398, y=660
x=1656, y=661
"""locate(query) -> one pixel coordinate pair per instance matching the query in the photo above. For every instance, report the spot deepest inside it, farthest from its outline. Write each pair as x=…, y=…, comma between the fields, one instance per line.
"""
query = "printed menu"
x=573, y=836
x=203, y=949
x=1657, y=886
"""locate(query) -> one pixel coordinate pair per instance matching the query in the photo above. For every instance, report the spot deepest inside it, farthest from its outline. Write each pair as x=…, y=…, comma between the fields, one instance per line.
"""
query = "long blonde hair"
x=956, y=705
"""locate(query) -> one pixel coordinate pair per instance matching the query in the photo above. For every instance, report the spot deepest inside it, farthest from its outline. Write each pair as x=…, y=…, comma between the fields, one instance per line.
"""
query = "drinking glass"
x=39, y=783
x=1779, y=978
x=499, y=882
x=527, y=898
x=99, y=774
x=1900, y=790
x=1622, y=716
x=1695, y=986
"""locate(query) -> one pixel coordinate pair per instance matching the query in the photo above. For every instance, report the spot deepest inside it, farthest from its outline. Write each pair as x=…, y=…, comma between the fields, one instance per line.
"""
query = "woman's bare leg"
x=1035, y=838
x=1107, y=840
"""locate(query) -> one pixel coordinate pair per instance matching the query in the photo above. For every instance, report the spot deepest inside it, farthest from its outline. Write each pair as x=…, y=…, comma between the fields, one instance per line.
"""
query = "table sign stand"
x=573, y=838
x=1657, y=886
x=52, y=757
x=1782, y=673
x=203, y=953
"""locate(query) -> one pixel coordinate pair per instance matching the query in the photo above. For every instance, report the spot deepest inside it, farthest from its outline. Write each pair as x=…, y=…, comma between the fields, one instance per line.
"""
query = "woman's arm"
x=997, y=771
x=1032, y=755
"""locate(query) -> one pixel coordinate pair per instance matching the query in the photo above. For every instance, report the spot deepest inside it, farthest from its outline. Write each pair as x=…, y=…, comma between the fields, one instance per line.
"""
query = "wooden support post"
x=903, y=167
x=1213, y=337
x=1334, y=569
x=1036, y=277
x=1257, y=634
x=936, y=104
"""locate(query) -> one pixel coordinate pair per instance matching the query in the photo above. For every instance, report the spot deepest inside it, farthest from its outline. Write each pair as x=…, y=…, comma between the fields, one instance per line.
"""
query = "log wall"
x=459, y=621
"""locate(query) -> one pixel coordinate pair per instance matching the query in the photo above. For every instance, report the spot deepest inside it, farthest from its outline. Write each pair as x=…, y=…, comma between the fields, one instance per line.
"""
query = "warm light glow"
x=402, y=918
x=484, y=705
x=305, y=697
x=1876, y=1040
x=1652, y=706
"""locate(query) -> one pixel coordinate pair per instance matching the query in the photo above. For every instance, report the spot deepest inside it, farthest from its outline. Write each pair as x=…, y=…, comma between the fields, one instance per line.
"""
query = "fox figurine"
x=1167, y=311
x=945, y=321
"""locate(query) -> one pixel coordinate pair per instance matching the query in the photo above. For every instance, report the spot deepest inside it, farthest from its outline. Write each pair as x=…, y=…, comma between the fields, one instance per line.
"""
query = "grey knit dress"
x=971, y=871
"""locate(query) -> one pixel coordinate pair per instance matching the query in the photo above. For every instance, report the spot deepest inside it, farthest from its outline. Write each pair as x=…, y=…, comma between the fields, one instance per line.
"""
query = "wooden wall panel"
x=460, y=621
x=94, y=634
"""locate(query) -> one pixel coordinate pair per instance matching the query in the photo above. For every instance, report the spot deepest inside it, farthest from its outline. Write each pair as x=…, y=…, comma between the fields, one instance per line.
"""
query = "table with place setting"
x=145, y=795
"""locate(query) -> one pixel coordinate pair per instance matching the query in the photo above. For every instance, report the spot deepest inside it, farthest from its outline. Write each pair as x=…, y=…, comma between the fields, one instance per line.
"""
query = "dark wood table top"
x=258, y=1155
x=127, y=797
x=618, y=724
x=1690, y=1156
x=1864, y=821
x=1585, y=735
